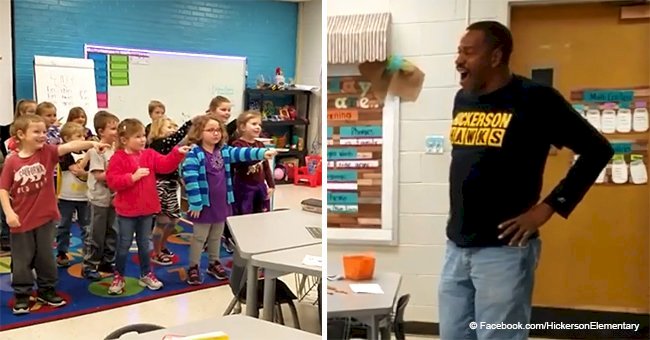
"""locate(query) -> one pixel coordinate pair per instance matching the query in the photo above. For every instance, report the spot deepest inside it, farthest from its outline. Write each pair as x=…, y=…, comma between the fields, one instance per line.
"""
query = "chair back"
x=238, y=275
x=137, y=328
x=398, y=321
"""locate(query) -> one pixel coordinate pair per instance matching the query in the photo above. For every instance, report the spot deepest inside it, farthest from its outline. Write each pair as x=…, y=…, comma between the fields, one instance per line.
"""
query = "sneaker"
x=194, y=276
x=228, y=245
x=62, y=260
x=21, y=305
x=91, y=275
x=117, y=286
x=50, y=297
x=105, y=268
x=167, y=252
x=150, y=281
x=161, y=259
x=216, y=270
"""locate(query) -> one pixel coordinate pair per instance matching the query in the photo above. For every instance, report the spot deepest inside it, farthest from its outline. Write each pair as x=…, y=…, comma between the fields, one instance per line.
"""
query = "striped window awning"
x=353, y=39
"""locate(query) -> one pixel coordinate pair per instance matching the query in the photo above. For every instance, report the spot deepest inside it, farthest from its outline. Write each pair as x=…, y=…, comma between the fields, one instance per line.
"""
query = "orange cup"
x=358, y=267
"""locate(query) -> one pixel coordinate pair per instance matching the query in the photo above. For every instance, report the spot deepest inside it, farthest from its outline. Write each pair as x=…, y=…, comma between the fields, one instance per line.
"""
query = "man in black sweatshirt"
x=502, y=130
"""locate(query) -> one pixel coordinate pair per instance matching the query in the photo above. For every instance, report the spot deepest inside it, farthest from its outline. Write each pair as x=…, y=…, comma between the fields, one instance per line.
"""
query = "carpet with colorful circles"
x=85, y=297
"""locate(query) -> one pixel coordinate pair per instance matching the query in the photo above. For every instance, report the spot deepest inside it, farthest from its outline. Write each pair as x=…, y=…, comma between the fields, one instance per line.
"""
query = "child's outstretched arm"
x=190, y=172
x=249, y=154
x=169, y=163
x=76, y=146
x=178, y=136
x=167, y=144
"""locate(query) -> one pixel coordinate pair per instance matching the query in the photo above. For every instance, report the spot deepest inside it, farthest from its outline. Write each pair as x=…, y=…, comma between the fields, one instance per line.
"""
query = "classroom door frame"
x=557, y=68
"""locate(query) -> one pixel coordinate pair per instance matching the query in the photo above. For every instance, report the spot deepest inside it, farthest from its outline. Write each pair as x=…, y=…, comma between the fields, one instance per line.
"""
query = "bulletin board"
x=128, y=79
x=621, y=115
x=361, y=163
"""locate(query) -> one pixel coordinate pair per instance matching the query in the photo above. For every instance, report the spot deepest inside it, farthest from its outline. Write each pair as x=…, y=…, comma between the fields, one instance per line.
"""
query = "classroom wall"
x=263, y=31
x=309, y=60
x=6, y=67
x=427, y=33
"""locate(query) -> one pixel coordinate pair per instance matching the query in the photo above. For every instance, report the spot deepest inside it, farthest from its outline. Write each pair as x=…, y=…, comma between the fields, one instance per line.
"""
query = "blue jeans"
x=489, y=286
x=67, y=209
x=141, y=226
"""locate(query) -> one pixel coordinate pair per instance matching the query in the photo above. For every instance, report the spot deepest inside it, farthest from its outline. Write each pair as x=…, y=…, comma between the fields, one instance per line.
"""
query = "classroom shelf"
x=266, y=92
x=296, y=127
x=271, y=123
x=292, y=153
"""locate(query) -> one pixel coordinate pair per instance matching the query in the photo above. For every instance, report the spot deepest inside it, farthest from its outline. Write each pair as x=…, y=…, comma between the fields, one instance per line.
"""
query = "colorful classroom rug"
x=85, y=297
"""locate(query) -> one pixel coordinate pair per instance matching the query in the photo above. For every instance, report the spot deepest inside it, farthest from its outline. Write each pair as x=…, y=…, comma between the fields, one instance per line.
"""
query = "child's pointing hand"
x=269, y=154
x=184, y=149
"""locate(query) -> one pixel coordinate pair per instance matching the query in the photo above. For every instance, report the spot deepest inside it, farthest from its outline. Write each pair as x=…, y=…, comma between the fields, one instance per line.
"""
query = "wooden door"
x=598, y=259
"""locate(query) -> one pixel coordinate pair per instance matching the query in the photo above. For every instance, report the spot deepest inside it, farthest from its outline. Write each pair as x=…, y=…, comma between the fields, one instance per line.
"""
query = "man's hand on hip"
x=526, y=224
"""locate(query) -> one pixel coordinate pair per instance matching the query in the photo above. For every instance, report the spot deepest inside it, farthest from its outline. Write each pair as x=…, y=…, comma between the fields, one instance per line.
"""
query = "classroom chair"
x=237, y=282
x=337, y=329
x=395, y=324
x=311, y=174
x=137, y=328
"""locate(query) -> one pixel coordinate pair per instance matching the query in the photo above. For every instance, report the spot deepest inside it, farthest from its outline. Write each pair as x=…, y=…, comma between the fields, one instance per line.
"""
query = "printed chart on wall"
x=128, y=79
x=621, y=115
x=354, y=154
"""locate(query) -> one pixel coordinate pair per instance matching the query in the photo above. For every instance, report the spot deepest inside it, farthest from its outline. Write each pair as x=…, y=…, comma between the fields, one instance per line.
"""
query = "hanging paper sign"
x=600, y=96
x=342, y=198
x=342, y=115
x=621, y=147
x=341, y=153
x=361, y=141
x=360, y=131
x=341, y=176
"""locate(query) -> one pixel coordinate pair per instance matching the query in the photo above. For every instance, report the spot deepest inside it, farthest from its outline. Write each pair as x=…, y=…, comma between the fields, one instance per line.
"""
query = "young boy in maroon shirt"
x=29, y=202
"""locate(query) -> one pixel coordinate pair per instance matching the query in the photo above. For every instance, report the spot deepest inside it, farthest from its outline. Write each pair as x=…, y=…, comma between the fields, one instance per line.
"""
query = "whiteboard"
x=184, y=82
x=66, y=83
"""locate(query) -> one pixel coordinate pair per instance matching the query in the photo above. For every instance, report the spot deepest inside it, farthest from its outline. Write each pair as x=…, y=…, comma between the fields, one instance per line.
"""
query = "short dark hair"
x=497, y=36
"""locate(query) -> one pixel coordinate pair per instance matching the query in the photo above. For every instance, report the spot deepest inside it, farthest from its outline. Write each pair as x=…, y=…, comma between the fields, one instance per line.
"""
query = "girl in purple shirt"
x=206, y=173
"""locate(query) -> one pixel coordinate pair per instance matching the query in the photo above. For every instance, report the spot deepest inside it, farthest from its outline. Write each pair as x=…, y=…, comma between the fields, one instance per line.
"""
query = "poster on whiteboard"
x=128, y=79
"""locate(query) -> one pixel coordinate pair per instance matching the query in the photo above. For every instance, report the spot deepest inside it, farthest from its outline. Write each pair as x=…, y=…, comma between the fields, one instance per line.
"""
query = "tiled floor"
x=172, y=311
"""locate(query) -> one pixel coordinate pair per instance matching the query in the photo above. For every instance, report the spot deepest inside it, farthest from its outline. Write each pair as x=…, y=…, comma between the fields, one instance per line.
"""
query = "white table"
x=370, y=309
x=238, y=327
x=278, y=263
x=267, y=232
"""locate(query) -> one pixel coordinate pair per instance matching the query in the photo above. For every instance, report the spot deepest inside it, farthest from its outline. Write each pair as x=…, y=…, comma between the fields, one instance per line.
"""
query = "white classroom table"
x=268, y=232
x=238, y=327
x=282, y=262
x=370, y=309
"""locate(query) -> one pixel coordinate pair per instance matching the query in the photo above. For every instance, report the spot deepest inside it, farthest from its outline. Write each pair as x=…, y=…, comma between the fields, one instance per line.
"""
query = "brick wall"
x=427, y=33
x=265, y=32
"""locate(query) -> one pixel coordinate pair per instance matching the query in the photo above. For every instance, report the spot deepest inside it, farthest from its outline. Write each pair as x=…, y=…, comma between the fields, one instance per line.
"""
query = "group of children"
x=129, y=174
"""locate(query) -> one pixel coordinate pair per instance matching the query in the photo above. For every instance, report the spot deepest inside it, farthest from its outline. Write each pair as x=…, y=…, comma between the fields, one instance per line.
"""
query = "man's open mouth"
x=463, y=74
